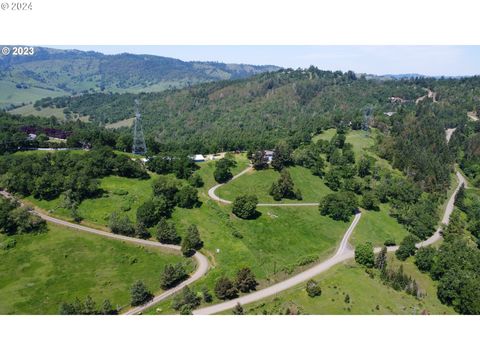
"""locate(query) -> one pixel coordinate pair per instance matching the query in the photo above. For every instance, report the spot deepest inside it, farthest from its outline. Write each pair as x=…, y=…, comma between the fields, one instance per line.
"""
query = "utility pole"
x=139, y=147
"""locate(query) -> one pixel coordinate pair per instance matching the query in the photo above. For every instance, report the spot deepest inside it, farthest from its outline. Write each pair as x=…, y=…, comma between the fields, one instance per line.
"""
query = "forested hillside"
x=52, y=72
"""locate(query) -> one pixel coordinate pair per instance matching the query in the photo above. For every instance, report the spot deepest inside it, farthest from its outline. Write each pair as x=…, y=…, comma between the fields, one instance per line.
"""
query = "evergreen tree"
x=238, y=310
x=313, y=288
x=187, y=247
x=167, y=233
x=225, y=289
x=193, y=236
x=172, y=275
x=284, y=187
x=245, y=281
x=282, y=156
x=139, y=293
x=381, y=259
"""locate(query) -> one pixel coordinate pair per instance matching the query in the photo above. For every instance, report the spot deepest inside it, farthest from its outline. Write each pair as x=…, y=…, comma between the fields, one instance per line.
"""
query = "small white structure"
x=390, y=113
x=198, y=158
x=269, y=155
x=32, y=137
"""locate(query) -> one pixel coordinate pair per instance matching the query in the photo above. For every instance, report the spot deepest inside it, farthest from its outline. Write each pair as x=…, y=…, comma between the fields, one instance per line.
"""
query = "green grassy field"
x=97, y=211
x=259, y=182
x=121, y=123
x=9, y=94
x=46, y=269
x=271, y=245
x=280, y=242
x=44, y=112
x=367, y=295
x=377, y=227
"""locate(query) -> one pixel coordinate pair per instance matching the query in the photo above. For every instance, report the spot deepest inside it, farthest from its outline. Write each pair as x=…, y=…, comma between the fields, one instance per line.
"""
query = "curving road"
x=202, y=261
x=343, y=253
x=211, y=193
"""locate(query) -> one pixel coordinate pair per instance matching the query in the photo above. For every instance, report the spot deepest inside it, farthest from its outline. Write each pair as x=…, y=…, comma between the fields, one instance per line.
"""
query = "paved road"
x=202, y=261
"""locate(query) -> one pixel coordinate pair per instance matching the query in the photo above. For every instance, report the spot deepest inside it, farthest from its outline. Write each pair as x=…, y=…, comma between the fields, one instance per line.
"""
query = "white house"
x=198, y=158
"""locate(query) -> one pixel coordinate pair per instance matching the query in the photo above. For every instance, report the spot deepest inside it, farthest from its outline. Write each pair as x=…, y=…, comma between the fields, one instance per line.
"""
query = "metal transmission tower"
x=139, y=147
x=367, y=117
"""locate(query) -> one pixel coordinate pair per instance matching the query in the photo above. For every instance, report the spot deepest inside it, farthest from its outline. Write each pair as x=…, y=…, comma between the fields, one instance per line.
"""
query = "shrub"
x=369, y=201
x=167, y=233
x=187, y=197
x=238, y=310
x=389, y=242
x=245, y=281
x=121, y=224
x=313, y=288
x=425, y=258
x=186, y=301
x=172, y=275
x=364, y=255
x=196, y=181
x=224, y=289
x=407, y=247
x=245, y=206
x=139, y=293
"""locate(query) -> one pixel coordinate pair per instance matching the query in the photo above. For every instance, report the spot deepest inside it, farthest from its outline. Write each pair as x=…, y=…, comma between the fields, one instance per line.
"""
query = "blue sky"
x=427, y=60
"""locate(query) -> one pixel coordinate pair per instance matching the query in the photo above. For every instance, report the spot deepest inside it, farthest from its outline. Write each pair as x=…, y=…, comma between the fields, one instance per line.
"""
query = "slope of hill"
x=53, y=72
x=286, y=104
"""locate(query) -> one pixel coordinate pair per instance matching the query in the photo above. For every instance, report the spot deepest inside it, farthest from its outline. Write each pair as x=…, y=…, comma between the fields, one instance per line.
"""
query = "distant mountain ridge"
x=54, y=72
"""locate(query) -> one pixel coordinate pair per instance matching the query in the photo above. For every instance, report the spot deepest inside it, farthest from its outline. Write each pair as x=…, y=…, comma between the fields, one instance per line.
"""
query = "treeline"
x=15, y=219
x=47, y=175
x=456, y=267
x=416, y=145
x=252, y=113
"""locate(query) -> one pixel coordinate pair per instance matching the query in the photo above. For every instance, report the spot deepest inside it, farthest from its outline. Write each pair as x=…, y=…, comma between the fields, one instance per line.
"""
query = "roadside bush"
x=313, y=288
x=121, y=224
x=167, y=233
x=389, y=242
x=172, y=275
x=225, y=289
x=425, y=258
x=407, y=247
x=245, y=281
x=364, y=255
x=141, y=231
x=139, y=293
x=245, y=206
x=186, y=301
x=191, y=241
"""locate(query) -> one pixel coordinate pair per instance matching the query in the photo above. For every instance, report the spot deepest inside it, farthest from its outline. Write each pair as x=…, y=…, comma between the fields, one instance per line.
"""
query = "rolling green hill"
x=53, y=72
x=44, y=270
x=287, y=104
